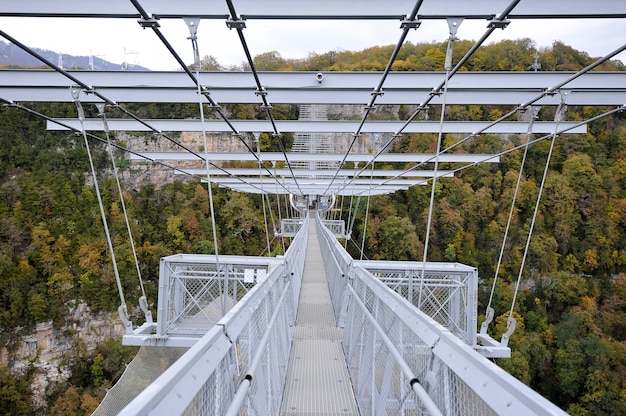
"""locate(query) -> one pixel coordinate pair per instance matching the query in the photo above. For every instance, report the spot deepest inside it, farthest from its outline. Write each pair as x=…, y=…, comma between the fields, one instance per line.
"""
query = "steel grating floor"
x=318, y=383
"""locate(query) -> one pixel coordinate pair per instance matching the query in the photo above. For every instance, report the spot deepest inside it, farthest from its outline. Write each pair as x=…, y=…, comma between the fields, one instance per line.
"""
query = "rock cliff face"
x=46, y=347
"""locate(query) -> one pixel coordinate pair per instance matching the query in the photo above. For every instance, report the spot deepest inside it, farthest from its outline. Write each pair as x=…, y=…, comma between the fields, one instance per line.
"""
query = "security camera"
x=319, y=77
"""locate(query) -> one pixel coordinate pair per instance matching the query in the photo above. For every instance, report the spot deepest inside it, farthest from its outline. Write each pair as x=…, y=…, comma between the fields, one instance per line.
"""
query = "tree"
x=15, y=393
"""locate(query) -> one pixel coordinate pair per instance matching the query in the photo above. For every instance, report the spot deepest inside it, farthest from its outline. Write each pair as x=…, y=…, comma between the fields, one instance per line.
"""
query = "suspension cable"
x=411, y=22
x=238, y=24
x=122, y=310
x=559, y=115
x=498, y=22
x=151, y=22
x=113, y=104
x=549, y=91
x=367, y=210
x=453, y=24
x=489, y=312
x=143, y=300
x=9, y=103
x=267, y=234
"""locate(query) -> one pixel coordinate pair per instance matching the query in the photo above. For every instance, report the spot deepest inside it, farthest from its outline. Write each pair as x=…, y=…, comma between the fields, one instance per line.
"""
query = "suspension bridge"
x=316, y=332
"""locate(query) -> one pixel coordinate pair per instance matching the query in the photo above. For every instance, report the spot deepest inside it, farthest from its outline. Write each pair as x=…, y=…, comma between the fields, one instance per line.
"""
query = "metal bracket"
x=377, y=93
x=236, y=24
x=100, y=107
x=149, y=23
x=410, y=24
x=510, y=328
x=261, y=92
x=192, y=24
x=498, y=24
x=143, y=305
x=487, y=321
x=453, y=25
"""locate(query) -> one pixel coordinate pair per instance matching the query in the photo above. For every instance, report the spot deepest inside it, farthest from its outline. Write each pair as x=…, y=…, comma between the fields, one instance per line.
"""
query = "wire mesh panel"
x=447, y=292
x=289, y=227
x=336, y=227
x=404, y=362
x=251, y=343
x=196, y=291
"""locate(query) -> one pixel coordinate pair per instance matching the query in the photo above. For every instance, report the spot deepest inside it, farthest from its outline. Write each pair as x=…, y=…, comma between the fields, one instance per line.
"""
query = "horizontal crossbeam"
x=318, y=173
x=348, y=191
x=307, y=126
x=316, y=157
x=480, y=88
x=319, y=9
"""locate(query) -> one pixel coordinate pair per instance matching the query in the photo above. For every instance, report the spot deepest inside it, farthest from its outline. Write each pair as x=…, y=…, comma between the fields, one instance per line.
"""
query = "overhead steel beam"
x=262, y=181
x=357, y=190
x=315, y=157
x=412, y=88
x=511, y=97
x=317, y=173
x=305, y=126
x=273, y=80
x=319, y=9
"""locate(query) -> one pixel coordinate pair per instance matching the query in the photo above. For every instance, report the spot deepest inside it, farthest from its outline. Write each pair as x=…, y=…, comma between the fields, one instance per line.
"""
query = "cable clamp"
x=377, y=93
x=266, y=107
x=152, y=23
x=410, y=24
x=435, y=92
x=549, y=91
x=498, y=24
x=276, y=135
x=236, y=24
x=261, y=92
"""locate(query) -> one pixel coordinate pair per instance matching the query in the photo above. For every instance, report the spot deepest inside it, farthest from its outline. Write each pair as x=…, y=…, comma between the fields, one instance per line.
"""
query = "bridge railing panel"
x=239, y=365
x=402, y=361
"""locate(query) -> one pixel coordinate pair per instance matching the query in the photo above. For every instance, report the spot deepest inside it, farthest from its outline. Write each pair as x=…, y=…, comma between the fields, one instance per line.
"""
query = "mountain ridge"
x=12, y=55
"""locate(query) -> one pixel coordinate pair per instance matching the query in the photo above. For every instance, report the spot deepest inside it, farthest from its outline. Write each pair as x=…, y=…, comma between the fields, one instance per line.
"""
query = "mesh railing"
x=403, y=362
x=447, y=293
x=240, y=365
x=196, y=291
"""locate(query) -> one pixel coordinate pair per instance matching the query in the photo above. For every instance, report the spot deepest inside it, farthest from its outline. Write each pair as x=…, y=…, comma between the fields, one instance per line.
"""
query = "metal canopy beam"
x=262, y=181
x=348, y=191
x=317, y=173
x=304, y=126
x=319, y=9
x=496, y=88
x=315, y=157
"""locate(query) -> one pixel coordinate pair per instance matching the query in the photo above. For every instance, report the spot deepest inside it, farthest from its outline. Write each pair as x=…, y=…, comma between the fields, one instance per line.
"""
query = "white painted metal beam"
x=317, y=173
x=326, y=157
x=319, y=9
x=306, y=126
x=412, y=88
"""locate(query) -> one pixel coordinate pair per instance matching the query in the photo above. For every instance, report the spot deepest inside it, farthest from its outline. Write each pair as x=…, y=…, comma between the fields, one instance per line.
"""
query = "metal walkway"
x=318, y=382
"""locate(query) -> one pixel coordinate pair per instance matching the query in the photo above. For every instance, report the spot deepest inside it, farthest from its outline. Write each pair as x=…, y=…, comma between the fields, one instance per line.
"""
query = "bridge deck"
x=317, y=381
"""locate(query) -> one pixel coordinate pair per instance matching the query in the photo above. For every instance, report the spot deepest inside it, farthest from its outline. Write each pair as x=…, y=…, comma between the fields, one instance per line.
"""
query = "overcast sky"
x=121, y=40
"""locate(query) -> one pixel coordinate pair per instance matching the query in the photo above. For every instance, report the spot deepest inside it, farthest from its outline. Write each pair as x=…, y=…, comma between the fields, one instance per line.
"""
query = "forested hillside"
x=570, y=341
